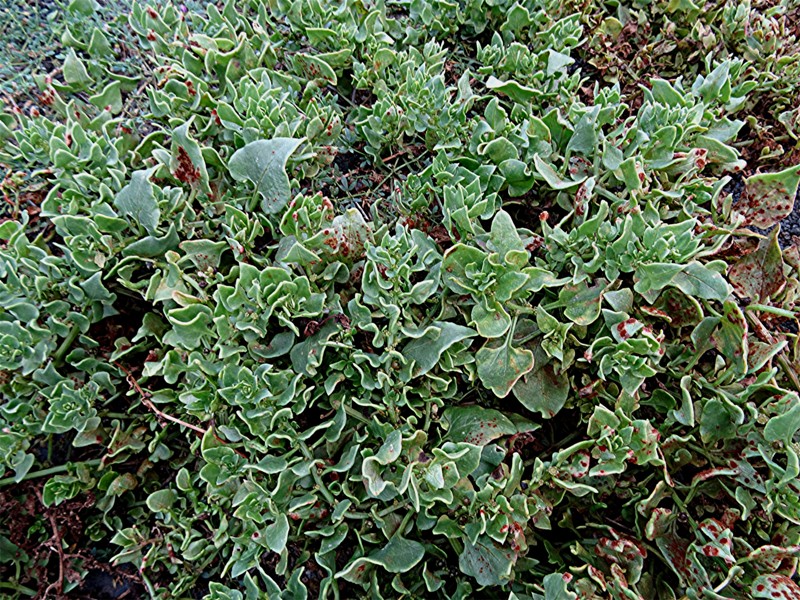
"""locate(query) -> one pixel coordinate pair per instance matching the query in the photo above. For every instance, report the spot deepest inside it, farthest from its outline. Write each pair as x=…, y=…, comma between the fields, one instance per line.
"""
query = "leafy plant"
x=403, y=299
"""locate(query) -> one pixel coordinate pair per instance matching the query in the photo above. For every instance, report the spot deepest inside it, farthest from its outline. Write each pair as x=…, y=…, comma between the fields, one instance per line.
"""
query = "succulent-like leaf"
x=138, y=202
x=263, y=163
x=501, y=366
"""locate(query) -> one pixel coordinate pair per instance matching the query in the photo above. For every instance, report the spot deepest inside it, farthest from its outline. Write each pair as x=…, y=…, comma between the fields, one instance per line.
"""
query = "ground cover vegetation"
x=400, y=299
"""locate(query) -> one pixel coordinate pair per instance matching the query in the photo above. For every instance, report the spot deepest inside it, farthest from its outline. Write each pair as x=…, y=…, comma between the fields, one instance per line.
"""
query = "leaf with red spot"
x=682, y=310
x=679, y=556
x=642, y=439
x=186, y=162
x=624, y=552
x=759, y=275
x=769, y=197
x=578, y=466
x=659, y=523
x=769, y=557
x=721, y=541
x=487, y=562
x=476, y=425
x=582, y=302
x=399, y=555
x=720, y=420
x=775, y=587
x=555, y=587
x=730, y=338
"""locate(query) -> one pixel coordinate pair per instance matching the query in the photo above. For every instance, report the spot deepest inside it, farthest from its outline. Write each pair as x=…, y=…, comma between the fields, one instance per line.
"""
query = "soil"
x=61, y=527
x=104, y=585
x=131, y=311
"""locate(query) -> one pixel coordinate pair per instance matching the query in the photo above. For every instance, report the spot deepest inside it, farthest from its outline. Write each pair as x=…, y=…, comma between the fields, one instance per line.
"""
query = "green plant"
x=364, y=301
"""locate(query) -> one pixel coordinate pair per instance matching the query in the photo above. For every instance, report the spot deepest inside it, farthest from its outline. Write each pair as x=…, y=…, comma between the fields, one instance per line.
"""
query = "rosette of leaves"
x=260, y=297
x=413, y=101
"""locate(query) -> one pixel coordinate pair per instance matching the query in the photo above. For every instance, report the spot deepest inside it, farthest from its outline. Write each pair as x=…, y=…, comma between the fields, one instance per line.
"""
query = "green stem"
x=58, y=358
x=17, y=588
x=772, y=310
x=352, y=412
x=317, y=479
x=679, y=503
x=46, y=472
x=399, y=531
x=521, y=309
x=116, y=415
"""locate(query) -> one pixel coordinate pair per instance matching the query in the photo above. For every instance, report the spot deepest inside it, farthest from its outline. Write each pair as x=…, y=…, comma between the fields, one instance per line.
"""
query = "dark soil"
x=104, y=585
x=55, y=538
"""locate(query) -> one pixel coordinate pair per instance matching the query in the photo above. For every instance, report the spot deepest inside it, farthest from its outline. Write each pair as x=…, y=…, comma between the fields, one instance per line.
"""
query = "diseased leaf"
x=488, y=563
x=759, y=274
x=476, y=425
x=720, y=420
x=490, y=318
x=186, y=161
x=555, y=587
x=399, y=555
x=775, y=586
x=454, y=265
x=582, y=302
x=730, y=337
x=769, y=197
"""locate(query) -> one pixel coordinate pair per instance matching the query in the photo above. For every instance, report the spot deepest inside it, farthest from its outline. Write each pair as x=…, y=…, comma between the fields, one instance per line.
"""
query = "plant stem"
x=17, y=588
x=58, y=358
x=399, y=531
x=51, y=471
x=772, y=310
x=317, y=479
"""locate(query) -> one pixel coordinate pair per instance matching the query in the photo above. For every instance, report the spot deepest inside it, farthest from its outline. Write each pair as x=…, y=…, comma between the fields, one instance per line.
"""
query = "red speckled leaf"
x=624, y=552
x=676, y=552
x=487, y=562
x=769, y=558
x=775, y=587
x=681, y=309
x=769, y=197
x=730, y=338
x=476, y=425
x=759, y=275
